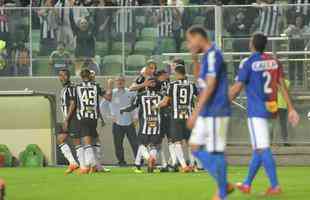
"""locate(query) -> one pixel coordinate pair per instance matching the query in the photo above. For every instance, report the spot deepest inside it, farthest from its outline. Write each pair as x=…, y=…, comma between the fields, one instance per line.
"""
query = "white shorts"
x=259, y=132
x=210, y=131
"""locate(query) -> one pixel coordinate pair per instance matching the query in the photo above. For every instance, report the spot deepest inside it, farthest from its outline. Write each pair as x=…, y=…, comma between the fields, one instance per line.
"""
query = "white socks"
x=66, y=151
x=180, y=155
x=90, y=159
x=172, y=153
x=163, y=158
x=98, y=154
x=142, y=153
x=80, y=155
x=153, y=152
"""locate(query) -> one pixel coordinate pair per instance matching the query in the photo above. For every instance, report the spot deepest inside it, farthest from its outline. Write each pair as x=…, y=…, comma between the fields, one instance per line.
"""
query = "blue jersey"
x=261, y=74
x=213, y=65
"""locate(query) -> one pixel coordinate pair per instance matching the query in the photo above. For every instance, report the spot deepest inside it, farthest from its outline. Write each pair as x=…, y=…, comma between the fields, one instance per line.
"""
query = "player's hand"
x=148, y=83
x=191, y=121
x=65, y=126
x=293, y=117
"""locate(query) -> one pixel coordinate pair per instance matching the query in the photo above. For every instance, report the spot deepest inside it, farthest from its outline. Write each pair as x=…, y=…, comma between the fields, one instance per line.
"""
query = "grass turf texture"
x=123, y=184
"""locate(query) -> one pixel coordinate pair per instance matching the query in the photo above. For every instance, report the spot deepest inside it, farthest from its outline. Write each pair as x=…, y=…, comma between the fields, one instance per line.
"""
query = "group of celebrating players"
x=190, y=113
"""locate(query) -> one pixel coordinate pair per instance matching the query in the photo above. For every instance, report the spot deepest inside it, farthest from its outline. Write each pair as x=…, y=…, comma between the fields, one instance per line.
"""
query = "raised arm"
x=72, y=22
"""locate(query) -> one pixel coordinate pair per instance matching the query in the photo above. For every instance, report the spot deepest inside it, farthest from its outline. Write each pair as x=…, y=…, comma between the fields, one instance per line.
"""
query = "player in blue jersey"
x=210, y=118
x=262, y=76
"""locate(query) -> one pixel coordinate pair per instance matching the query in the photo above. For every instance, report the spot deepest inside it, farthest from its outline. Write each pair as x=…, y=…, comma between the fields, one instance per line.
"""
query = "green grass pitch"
x=123, y=184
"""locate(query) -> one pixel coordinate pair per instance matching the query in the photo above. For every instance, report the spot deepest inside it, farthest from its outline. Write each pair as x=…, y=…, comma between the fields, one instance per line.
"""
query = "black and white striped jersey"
x=182, y=94
x=67, y=95
x=164, y=26
x=269, y=20
x=149, y=118
x=87, y=100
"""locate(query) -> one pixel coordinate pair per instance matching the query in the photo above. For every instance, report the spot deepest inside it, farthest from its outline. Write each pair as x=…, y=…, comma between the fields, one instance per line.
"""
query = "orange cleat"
x=71, y=168
x=83, y=171
x=245, y=189
x=273, y=191
x=230, y=188
x=186, y=169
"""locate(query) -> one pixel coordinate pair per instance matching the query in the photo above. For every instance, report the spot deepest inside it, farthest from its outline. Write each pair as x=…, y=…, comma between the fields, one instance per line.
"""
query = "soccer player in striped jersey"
x=87, y=98
x=262, y=75
x=180, y=96
x=149, y=125
x=210, y=117
x=70, y=125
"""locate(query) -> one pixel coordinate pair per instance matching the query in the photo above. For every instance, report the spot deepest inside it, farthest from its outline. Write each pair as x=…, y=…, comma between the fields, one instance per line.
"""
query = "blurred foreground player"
x=180, y=96
x=2, y=189
x=149, y=126
x=70, y=125
x=211, y=115
x=262, y=76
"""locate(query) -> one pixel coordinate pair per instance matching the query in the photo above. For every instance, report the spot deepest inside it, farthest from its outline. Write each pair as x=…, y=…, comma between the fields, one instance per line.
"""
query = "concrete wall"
x=238, y=131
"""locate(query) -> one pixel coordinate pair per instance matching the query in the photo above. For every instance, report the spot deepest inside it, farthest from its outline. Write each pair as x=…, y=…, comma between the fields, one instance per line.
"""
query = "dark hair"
x=198, y=30
x=180, y=69
x=160, y=72
x=85, y=74
x=179, y=61
x=66, y=71
x=259, y=42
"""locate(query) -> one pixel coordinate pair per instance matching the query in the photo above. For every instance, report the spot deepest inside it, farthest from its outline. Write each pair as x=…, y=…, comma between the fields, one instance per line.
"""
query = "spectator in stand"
x=4, y=24
x=177, y=12
x=84, y=33
x=92, y=65
x=20, y=60
x=125, y=22
x=269, y=20
x=59, y=59
x=103, y=19
x=5, y=69
x=298, y=33
x=239, y=30
x=301, y=9
x=64, y=32
x=48, y=25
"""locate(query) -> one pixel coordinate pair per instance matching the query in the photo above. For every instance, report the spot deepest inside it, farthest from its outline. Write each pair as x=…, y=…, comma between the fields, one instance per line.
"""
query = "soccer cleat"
x=83, y=171
x=164, y=169
x=138, y=170
x=230, y=188
x=71, y=168
x=245, y=189
x=273, y=191
x=105, y=170
x=186, y=169
x=92, y=170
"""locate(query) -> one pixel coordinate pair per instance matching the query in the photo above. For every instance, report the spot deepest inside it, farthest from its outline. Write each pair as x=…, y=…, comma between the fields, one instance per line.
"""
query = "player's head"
x=155, y=86
x=85, y=75
x=258, y=42
x=61, y=46
x=151, y=67
x=180, y=72
x=197, y=39
x=162, y=75
x=64, y=76
x=120, y=82
x=175, y=62
x=92, y=75
x=83, y=24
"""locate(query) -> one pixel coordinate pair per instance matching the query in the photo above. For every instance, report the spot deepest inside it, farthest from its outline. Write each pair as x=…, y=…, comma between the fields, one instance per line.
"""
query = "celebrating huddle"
x=172, y=108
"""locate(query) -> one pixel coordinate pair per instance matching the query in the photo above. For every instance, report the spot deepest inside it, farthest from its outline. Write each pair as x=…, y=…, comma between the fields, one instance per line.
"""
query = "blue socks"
x=216, y=165
x=264, y=157
x=255, y=164
x=270, y=167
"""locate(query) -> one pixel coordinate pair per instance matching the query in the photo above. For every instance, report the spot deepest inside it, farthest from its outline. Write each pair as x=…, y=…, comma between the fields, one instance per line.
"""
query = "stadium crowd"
x=77, y=34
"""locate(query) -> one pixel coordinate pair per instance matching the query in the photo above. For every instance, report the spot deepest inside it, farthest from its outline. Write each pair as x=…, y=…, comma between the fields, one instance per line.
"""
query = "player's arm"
x=163, y=103
x=293, y=116
x=136, y=86
x=71, y=109
x=134, y=104
x=241, y=80
x=215, y=62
